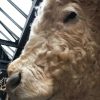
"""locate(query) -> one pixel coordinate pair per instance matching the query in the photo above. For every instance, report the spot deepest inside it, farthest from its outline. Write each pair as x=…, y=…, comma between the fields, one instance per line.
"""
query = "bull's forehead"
x=59, y=2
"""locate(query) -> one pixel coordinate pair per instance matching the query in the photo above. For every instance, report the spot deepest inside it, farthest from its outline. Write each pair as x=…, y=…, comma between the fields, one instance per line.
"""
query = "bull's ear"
x=13, y=81
x=71, y=15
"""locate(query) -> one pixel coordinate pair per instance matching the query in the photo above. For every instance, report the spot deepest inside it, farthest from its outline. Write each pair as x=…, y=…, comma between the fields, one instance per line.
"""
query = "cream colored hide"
x=61, y=60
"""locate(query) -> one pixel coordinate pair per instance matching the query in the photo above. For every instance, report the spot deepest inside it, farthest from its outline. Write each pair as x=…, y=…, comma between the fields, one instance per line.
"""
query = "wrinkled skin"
x=60, y=61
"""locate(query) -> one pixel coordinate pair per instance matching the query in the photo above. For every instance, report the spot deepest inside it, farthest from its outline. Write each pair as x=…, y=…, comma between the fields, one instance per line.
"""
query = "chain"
x=3, y=79
x=3, y=84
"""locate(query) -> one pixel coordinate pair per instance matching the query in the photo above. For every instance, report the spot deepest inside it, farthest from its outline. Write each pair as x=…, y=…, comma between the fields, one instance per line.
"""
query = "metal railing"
x=18, y=42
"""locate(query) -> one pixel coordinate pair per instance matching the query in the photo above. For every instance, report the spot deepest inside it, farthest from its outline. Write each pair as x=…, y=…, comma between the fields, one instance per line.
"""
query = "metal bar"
x=7, y=53
x=11, y=49
x=10, y=32
x=1, y=69
x=11, y=19
x=3, y=56
x=8, y=43
x=26, y=29
x=4, y=61
x=5, y=35
x=15, y=6
x=8, y=40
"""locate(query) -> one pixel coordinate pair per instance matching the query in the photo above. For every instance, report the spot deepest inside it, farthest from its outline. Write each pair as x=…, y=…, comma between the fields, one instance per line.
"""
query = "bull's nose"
x=13, y=81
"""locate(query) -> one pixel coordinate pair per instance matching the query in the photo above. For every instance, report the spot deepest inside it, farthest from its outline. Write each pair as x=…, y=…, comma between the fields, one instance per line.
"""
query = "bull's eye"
x=69, y=16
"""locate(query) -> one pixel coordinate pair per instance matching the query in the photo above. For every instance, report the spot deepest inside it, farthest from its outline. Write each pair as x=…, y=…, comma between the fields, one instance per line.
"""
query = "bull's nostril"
x=13, y=81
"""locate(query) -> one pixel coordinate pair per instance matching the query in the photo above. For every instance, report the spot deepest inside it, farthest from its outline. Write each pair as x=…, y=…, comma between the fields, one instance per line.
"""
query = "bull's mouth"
x=13, y=81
